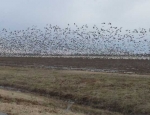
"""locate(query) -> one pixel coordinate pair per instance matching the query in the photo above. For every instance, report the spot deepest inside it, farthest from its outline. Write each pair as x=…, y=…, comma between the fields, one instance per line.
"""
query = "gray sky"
x=20, y=14
x=129, y=14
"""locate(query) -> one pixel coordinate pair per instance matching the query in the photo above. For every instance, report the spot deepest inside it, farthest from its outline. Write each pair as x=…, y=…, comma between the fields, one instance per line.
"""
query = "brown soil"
x=118, y=65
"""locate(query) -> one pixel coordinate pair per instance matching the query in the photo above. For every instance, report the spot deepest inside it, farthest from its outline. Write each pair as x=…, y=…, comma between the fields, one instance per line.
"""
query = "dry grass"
x=123, y=93
x=17, y=103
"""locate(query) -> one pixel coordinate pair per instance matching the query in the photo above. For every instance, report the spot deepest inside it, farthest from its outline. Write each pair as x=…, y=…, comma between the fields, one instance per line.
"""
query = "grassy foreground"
x=111, y=92
x=18, y=103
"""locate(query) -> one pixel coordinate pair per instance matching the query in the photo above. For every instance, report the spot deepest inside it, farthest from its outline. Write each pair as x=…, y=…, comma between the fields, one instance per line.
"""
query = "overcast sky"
x=20, y=14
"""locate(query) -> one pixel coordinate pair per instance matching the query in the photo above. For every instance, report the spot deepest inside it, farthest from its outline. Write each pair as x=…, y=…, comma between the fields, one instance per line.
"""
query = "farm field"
x=139, y=66
x=75, y=57
x=93, y=93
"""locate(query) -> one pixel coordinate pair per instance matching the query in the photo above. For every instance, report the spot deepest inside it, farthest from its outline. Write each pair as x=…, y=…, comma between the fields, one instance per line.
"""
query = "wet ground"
x=140, y=66
x=3, y=113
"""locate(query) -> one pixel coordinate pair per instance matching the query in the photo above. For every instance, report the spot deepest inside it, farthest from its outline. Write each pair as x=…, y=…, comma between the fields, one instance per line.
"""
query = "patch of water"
x=3, y=113
x=10, y=88
x=86, y=69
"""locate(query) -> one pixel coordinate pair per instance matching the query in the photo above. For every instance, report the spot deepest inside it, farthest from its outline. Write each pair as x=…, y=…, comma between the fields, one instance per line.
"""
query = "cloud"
x=18, y=14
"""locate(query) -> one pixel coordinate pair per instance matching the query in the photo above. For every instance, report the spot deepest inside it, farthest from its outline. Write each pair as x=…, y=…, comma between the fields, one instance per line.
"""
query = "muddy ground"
x=96, y=64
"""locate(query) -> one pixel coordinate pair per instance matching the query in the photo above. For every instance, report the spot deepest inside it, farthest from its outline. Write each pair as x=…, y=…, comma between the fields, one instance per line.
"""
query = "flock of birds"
x=75, y=40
